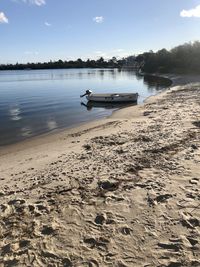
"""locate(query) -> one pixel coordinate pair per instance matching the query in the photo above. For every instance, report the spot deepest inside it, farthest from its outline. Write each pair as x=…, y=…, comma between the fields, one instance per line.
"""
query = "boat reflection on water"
x=91, y=104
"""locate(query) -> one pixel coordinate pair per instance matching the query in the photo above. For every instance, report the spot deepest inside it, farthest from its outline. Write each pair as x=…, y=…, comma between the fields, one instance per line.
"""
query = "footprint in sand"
x=125, y=230
x=100, y=242
x=107, y=185
x=100, y=219
x=47, y=230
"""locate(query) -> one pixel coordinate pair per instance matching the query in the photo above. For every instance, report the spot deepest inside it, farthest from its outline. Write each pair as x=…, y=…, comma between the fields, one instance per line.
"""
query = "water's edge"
x=78, y=124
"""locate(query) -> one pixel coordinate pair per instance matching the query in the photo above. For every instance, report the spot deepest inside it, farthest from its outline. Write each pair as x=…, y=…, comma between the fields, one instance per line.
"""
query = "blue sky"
x=43, y=30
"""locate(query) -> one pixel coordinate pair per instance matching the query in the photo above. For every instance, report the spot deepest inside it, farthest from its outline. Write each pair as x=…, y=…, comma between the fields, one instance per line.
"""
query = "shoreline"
x=49, y=135
x=175, y=79
x=122, y=191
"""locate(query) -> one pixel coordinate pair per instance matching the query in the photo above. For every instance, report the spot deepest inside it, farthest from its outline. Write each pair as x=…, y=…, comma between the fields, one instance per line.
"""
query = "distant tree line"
x=181, y=59
x=60, y=64
x=79, y=63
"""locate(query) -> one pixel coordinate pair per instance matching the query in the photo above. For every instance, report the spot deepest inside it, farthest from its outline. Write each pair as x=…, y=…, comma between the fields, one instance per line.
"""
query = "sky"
x=43, y=30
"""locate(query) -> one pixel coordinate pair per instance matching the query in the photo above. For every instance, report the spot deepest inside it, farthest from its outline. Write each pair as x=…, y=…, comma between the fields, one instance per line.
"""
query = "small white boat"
x=111, y=98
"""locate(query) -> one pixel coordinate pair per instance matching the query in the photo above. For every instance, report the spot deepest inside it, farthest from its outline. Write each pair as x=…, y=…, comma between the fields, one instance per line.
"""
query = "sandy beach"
x=122, y=191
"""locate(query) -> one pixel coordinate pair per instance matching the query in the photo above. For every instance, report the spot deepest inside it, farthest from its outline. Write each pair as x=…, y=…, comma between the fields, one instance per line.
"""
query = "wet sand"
x=122, y=191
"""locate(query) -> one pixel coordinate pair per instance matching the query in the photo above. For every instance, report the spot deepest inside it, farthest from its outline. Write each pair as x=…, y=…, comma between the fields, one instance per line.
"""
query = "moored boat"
x=111, y=98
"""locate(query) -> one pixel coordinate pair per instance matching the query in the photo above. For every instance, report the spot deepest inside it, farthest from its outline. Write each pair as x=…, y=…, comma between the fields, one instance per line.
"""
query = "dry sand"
x=123, y=191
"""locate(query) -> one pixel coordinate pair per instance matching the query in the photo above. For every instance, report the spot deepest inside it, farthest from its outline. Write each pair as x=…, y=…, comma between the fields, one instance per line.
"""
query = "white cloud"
x=195, y=12
x=39, y=2
x=98, y=19
x=47, y=24
x=35, y=2
x=3, y=18
x=118, y=53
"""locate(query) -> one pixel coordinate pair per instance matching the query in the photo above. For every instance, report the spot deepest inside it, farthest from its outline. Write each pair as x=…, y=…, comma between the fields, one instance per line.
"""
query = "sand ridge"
x=122, y=192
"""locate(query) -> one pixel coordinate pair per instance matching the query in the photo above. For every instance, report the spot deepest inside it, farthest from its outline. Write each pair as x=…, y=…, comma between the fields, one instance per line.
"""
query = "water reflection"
x=34, y=102
x=15, y=112
x=52, y=124
x=139, y=76
x=65, y=74
x=26, y=131
x=111, y=72
x=155, y=82
x=90, y=105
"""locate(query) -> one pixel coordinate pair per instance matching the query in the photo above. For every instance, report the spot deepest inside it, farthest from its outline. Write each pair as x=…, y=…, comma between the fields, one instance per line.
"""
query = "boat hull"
x=113, y=98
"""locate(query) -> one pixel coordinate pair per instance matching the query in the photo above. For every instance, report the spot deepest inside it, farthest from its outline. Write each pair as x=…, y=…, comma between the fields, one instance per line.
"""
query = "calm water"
x=33, y=102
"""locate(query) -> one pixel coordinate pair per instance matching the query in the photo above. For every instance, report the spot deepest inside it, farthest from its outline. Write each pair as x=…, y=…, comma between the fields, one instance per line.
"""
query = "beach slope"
x=123, y=191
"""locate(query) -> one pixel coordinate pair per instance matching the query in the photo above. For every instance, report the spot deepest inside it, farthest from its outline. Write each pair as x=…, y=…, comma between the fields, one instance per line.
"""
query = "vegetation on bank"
x=181, y=59
x=60, y=64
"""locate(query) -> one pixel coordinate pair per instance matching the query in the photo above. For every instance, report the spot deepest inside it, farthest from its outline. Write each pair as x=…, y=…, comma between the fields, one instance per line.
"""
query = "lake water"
x=34, y=102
